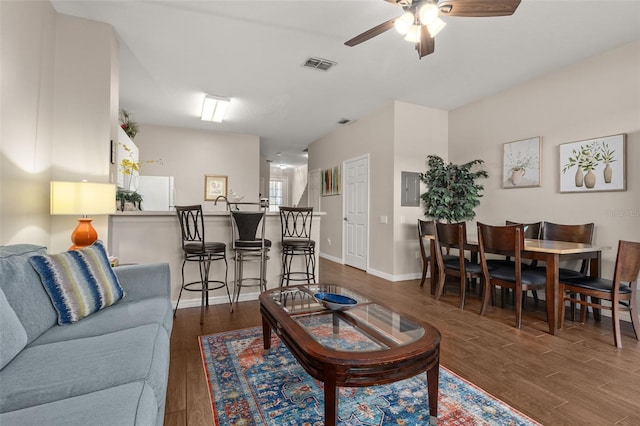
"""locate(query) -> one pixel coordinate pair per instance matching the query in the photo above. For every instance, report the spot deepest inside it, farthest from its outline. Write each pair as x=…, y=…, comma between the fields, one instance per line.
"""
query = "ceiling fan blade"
x=427, y=44
x=478, y=8
x=377, y=30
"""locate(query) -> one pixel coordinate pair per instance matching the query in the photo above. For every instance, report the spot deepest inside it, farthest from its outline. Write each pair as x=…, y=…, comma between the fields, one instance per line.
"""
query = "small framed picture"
x=594, y=165
x=521, y=163
x=214, y=186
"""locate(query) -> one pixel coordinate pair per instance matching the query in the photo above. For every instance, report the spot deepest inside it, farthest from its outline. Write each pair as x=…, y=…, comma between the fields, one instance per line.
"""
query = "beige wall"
x=418, y=132
x=397, y=138
x=27, y=35
x=597, y=97
x=189, y=155
x=57, y=116
x=371, y=135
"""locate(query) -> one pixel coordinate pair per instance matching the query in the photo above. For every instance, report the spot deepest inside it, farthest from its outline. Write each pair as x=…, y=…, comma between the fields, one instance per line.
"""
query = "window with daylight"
x=277, y=194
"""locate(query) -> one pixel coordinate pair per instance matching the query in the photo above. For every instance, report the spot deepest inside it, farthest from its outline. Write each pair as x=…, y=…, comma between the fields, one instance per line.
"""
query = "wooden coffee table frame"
x=354, y=369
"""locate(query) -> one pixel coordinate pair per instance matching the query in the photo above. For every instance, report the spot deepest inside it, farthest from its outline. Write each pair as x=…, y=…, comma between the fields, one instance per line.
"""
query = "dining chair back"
x=621, y=291
x=506, y=240
x=454, y=236
x=531, y=230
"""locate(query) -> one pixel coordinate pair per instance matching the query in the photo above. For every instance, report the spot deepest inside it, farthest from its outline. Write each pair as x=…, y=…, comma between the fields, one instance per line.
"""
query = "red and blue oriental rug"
x=249, y=388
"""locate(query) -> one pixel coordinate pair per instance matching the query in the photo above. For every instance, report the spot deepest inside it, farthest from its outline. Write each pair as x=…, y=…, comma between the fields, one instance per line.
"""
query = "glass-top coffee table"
x=364, y=345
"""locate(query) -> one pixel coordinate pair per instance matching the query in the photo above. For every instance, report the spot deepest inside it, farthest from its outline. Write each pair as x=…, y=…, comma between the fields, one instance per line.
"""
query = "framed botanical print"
x=521, y=163
x=593, y=165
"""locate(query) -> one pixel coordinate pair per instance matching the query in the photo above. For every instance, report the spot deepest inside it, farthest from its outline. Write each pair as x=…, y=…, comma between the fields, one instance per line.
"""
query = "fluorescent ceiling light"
x=214, y=108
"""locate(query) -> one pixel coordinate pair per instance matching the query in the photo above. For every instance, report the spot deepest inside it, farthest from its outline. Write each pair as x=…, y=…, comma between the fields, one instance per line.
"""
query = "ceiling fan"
x=420, y=22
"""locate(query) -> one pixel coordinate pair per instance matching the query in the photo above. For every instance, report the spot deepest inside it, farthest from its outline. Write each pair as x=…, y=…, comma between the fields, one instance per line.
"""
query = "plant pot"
x=516, y=176
x=590, y=179
x=579, y=179
x=607, y=172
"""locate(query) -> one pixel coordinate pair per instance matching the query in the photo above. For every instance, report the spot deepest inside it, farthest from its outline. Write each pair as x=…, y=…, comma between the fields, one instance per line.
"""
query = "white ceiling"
x=173, y=52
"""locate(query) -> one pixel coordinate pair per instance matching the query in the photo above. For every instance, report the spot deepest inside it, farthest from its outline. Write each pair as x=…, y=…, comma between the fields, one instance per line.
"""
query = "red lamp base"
x=84, y=235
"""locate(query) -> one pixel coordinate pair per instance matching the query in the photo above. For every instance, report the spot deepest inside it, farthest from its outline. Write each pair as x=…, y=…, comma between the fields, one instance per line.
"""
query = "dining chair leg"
x=440, y=290
x=615, y=319
x=487, y=293
x=633, y=311
x=463, y=287
x=596, y=311
x=563, y=307
x=518, y=300
x=425, y=267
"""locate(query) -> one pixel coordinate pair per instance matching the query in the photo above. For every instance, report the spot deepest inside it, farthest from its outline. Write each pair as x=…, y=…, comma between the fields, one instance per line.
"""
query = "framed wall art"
x=214, y=186
x=331, y=181
x=593, y=165
x=521, y=163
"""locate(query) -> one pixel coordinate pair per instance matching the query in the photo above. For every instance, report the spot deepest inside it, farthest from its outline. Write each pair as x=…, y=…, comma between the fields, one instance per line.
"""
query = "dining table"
x=552, y=253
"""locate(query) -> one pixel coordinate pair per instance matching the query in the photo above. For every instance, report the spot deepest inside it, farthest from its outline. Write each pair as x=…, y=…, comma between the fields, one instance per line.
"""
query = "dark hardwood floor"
x=577, y=377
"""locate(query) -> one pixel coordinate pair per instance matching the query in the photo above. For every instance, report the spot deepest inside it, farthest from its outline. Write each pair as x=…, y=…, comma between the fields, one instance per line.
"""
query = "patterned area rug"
x=247, y=388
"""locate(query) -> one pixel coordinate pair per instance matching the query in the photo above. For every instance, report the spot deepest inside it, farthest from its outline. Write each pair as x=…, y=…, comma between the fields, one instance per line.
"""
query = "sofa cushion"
x=46, y=373
x=79, y=282
x=126, y=314
x=130, y=404
x=23, y=289
x=13, y=336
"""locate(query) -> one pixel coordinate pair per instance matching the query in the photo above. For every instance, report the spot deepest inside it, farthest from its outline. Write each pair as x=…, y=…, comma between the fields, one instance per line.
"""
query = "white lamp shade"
x=413, y=35
x=403, y=23
x=82, y=198
x=428, y=13
x=435, y=26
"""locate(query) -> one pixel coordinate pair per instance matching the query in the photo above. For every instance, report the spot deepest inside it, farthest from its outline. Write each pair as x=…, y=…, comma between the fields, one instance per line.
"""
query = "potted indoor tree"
x=452, y=192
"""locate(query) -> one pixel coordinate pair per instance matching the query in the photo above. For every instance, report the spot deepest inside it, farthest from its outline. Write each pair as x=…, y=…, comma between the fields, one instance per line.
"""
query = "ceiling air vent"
x=319, y=64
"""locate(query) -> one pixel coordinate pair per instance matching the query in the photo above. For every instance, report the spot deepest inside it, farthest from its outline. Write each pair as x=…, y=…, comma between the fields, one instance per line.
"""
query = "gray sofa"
x=110, y=368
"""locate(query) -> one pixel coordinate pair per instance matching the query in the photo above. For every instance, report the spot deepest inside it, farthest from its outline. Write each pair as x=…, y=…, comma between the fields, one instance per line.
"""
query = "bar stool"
x=295, y=223
x=196, y=249
x=249, y=246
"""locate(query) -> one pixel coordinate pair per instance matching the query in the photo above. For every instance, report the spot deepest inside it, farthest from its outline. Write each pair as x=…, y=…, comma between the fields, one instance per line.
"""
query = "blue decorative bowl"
x=335, y=302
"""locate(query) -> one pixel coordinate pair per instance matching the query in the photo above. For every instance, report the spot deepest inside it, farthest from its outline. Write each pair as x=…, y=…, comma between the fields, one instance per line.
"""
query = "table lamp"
x=82, y=198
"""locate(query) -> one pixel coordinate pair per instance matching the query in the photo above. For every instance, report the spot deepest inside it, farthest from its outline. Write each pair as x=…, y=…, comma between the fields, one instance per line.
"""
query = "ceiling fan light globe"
x=403, y=23
x=413, y=35
x=436, y=26
x=428, y=13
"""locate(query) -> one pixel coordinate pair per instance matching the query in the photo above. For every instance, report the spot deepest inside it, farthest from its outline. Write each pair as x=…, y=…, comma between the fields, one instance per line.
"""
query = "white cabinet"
x=127, y=161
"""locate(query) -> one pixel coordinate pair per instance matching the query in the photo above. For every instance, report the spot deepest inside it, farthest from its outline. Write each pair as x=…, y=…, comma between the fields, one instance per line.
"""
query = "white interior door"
x=313, y=192
x=356, y=212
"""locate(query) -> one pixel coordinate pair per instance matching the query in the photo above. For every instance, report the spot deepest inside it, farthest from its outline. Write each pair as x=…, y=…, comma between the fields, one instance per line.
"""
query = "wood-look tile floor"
x=576, y=377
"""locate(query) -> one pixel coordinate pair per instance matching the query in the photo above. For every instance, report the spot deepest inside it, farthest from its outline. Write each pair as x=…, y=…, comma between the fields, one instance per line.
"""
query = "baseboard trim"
x=217, y=300
x=331, y=258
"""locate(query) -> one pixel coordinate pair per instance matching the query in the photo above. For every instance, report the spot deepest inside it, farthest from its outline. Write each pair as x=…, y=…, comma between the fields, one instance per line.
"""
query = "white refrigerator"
x=158, y=193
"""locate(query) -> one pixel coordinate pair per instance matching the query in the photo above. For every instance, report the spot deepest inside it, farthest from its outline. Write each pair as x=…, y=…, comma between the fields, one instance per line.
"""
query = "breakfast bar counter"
x=152, y=237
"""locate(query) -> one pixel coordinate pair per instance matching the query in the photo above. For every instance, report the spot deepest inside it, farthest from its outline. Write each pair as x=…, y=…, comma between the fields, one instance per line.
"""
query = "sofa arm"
x=144, y=281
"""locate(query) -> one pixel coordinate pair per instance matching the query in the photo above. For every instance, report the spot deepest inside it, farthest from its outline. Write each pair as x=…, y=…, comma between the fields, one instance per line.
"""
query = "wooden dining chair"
x=427, y=228
x=531, y=231
x=454, y=236
x=582, y=233
x=621, y=291
x=507, y=240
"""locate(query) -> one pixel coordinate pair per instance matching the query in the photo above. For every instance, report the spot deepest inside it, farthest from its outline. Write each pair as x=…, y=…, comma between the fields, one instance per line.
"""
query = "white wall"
x=597, y=97
x=189, y=155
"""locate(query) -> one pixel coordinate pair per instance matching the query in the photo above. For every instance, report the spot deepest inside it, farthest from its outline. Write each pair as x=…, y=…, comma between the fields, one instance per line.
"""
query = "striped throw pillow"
x=79, y=282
